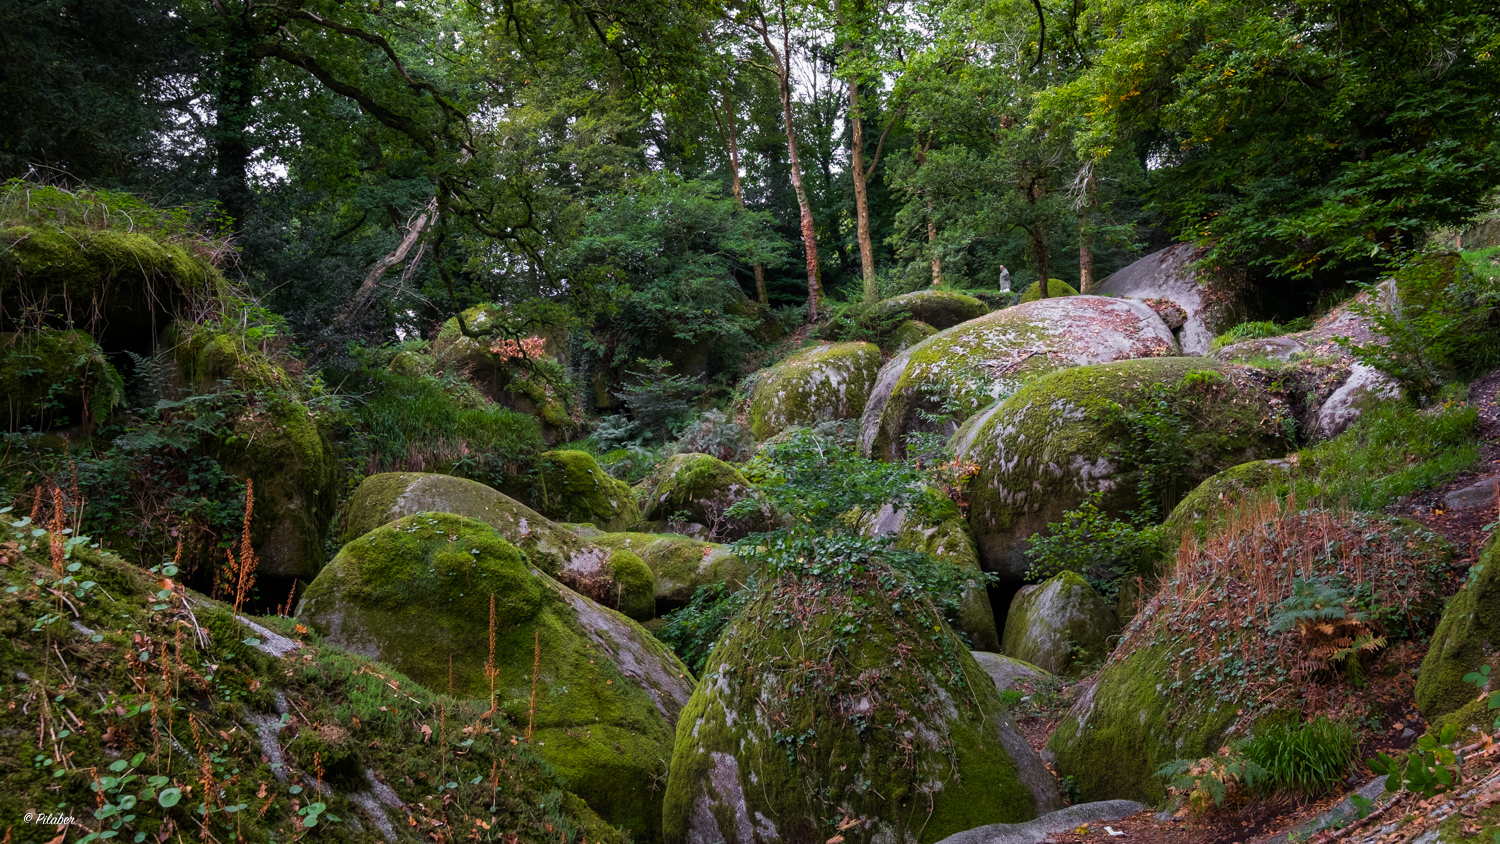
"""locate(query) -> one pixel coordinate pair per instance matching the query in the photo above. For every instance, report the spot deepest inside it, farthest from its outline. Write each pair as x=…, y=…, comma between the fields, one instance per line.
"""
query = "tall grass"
x=1305, y=759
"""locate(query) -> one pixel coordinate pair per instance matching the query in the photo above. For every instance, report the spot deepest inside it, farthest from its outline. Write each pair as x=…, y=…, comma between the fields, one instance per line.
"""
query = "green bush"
x=1304, y=759
x=1445, y=328
x=1101, y=548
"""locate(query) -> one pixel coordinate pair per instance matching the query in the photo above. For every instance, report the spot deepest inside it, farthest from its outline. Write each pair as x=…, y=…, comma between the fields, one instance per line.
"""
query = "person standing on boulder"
x=1004, y=279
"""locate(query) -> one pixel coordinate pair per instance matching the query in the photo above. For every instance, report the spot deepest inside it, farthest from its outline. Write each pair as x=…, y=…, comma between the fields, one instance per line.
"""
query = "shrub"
x=1199, y=786
x=713, y=432
x=1257, y=330
x=658, y=401
x=1304, y=759
x=1101, y=548
x=692, y=631
x=1445, y=327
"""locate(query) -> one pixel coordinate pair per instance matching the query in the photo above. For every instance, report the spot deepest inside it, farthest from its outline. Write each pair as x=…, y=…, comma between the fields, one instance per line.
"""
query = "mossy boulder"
x=966, y=368
x=419, y=594
x=690, y=493
x=680, y=564
x=1160, y=424
x=52, y=378
x=1007, y=671
x=536, y=386
x=909, y=334
x=1056, y=288
x=1205, y=508
x=937, y=308
x=122, y=287
x=944, y=534
x=1061, y=625
x=824, y=702
x=815, y=385
x=557, y=551
x=1467, y=639
x=1201, y=665
x=571, y=486
x=1201, y=304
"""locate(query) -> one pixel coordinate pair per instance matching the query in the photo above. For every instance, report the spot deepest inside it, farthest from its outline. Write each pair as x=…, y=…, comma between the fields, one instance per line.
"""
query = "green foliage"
x=1258, y=330
x=1102, y=548
x=692, y=631
x=1392, y=450
x=25, y=202
x=658, y=400
x=1309, y=759
x=1445, y=327
x=714, y=432
x=1429, y=770
x=1055, y=289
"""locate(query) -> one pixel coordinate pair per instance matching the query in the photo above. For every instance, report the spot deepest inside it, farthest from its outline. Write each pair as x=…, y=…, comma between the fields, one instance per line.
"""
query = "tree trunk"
x=732, y=137
x=232, y=114
x=937, y=258
x=861, y=196
x=809, y=231
x=1086, y=237
x=366, y=290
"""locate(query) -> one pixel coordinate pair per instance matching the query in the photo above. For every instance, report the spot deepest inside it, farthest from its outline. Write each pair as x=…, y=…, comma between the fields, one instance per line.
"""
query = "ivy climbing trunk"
x=861, y=195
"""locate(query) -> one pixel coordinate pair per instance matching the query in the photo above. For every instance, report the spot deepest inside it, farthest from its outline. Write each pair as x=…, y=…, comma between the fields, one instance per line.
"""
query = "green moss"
x=1131, y=722
x=418, y=593
x=635, y=583
x=1467, y=638
x=570, y=486
x=695, y=490
x=948, y=539
x=1205, y=508
x=819, y=384
x=1074, y=432
x=679, y=564
x=1055, y=288
x=582, y=565
x=51, y=378
x=215, y=700
x=1061, y=625
x=937, y=308
x=909, y=334
x=913, y=748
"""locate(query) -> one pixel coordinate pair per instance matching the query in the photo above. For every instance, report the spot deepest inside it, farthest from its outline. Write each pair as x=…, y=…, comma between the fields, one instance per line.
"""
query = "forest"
x=751, y=421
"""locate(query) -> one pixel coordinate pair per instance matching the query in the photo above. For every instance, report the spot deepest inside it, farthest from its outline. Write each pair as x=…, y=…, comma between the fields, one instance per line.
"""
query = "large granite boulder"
x=1160, y=425
x=692, y=493
x=1467, y=640
x=937, y=308
x=820, y=384
x=831, y=701
x=1169, y=275
x=1203, y=662
x=680, y=564
x=1007, y=672
x=618, y=580
x=1060, y=625
x=435, y=594
x=571, y=486
x=964, y=369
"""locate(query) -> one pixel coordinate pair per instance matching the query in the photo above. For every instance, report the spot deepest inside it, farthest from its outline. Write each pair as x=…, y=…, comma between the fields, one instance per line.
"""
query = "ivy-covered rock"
x=945, y=536
x=1008, y=671
x=51, y=378
x=419, y=594
x=680, y=564
x=823, y=702
x=1467, y=640
x=275, y=441
x=937, y=308
x=1056, y=288
x=1218, y=647
x=1142, y=433
x=964, y=369
x=571, y=486
x=909, y=334
x=819, y=384
x=690, y=493
x=1059, y=625
x=557, y=551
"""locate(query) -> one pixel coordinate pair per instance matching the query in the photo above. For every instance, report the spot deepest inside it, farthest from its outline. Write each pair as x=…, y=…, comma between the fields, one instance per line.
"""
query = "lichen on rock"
x=804, y=718
x=1157, y=425
x=692, y=494
x=819, y=384
x=962, y=370
x=561, y=553
x=420, y=594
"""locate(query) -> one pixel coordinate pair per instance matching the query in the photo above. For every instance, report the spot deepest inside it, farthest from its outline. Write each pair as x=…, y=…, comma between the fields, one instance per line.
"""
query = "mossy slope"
x=557, y=551
x=419, y=594
x=1467, y=638
x=1169, y=422
x=803, y=719
x=962, y=370
x=815, y=385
